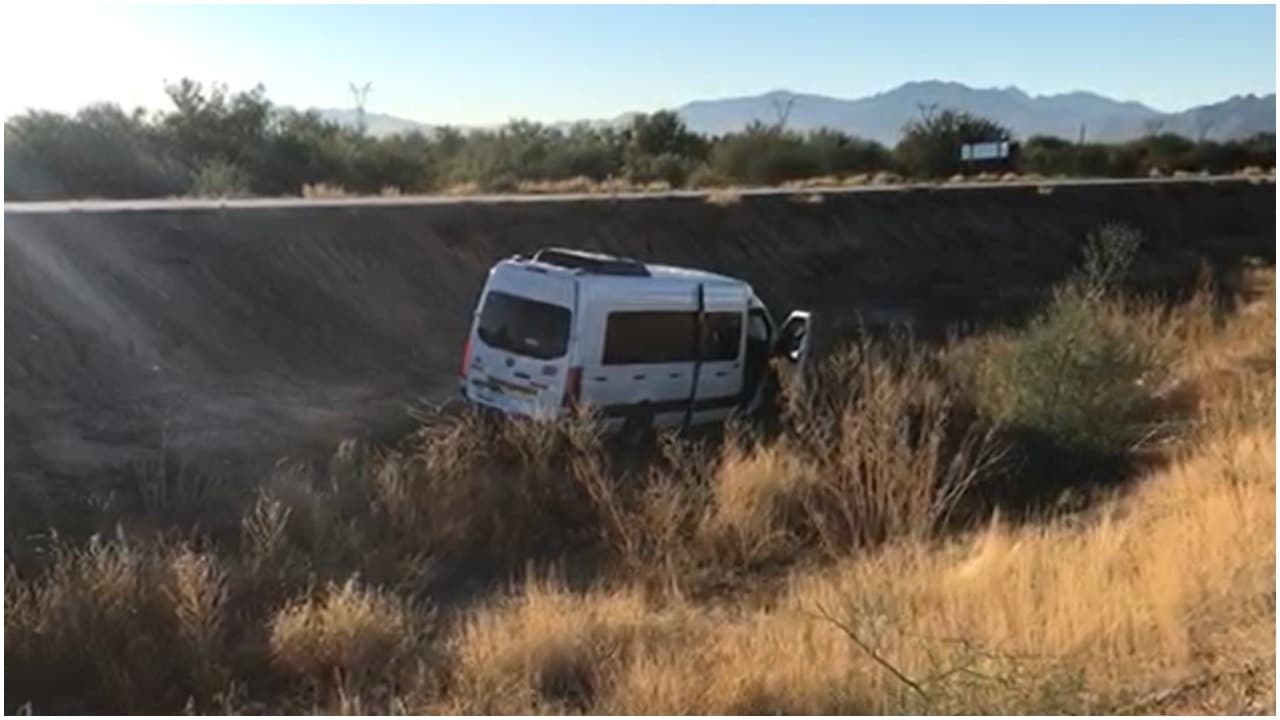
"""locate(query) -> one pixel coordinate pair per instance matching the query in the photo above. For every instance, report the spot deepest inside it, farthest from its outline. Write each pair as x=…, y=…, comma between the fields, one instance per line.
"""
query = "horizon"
x=801, y=93
x=544, y=63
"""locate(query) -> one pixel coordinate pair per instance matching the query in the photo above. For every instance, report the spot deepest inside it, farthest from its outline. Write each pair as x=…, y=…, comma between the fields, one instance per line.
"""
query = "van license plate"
x=503, y=387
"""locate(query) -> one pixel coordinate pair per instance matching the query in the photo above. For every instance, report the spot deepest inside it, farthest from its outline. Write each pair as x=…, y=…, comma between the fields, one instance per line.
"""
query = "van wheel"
x=637, y=428
x=770, y=411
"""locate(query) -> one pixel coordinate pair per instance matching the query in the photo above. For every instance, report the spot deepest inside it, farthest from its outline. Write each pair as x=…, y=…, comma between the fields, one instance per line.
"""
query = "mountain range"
x=881, y=117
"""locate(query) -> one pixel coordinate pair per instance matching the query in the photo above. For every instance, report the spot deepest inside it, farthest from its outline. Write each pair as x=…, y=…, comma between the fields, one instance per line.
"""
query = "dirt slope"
x=258, y=331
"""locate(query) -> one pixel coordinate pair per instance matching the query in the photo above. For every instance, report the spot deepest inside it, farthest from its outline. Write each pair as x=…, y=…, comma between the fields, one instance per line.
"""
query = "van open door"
x=793, y=346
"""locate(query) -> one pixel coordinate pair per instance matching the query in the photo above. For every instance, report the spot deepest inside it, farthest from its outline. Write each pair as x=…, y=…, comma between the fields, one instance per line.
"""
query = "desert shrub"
x=546, y=649
x=101, y=151
x=219, y=179
x=197, y=593
x=114, y=615
x=472, y=491
x=875, y=450
x=322, y=190
x=648, y=518
x=930, y=146
x=704, y=177
x=1083, y=370
x=892, y=447
x=669, y=168
x=758, y=504
x=762, y=155
x=348, y=635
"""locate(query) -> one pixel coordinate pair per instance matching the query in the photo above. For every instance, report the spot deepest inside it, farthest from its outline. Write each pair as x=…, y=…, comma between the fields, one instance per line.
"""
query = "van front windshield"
x=524, y=326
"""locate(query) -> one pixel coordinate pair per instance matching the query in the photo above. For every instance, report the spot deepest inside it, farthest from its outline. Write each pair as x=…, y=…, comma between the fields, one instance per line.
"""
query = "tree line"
x=213, y=142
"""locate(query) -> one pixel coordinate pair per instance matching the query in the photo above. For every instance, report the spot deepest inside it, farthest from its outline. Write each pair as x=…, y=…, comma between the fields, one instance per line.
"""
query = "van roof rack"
x=596, y=263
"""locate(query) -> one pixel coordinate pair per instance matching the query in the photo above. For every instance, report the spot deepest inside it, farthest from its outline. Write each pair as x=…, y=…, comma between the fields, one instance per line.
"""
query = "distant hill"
x=881, y=116
x=380, y=124
x=377, y=124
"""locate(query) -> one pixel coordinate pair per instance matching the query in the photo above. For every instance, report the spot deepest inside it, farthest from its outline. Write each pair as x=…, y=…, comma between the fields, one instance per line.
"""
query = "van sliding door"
x=720, y=377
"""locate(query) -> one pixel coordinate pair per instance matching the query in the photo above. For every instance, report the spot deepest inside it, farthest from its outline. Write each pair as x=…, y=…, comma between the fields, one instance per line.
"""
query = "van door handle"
x=674, y=375
x=522, y=375
x=721, y=373
x=641, y=376
x=600, y=378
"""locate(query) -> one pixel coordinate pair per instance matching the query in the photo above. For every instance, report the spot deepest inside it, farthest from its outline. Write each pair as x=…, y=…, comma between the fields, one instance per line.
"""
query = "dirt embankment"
x=256, y=332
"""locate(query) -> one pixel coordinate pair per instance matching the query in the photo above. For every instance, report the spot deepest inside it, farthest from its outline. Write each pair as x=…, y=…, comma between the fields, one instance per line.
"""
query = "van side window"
x=636, y=338
x=723, y=333
x=633, y=338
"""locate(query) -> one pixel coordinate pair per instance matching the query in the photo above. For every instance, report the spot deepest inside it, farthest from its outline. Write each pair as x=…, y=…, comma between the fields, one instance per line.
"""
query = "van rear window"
x=524, y=326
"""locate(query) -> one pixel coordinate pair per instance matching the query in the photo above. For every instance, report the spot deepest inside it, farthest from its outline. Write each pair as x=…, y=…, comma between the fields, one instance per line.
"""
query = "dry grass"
x=824, y=181
x=472, y=494
x=137, y=625
x=809, y=572
x=545, y=649
x=570, y=185
x=723, y=198
x=1169, y=587
x=1051, y=619
x=198, y=594
x=348, y=632
x=324, y=190
x=890, y=452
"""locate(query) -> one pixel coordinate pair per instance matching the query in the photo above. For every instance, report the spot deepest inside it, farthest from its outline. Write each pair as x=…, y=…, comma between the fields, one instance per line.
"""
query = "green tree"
x=661, y=147
x=101, y=151
x=208, y=127
x=837, y=153
x=764, y=155
x=930, y=145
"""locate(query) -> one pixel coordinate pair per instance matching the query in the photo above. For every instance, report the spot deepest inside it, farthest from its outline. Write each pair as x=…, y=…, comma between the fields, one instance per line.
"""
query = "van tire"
x=637, y=428
x=771, y=409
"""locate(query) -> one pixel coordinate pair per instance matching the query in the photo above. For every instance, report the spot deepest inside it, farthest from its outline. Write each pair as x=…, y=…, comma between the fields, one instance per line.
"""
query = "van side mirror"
x=793, y=338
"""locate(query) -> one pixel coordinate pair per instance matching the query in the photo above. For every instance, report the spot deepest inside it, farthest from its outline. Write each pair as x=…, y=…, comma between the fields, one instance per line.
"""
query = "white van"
x=645, y=346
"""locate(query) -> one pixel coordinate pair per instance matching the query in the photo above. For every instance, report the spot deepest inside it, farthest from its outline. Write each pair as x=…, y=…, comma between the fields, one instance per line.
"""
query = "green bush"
x=764, y=156
x=1084, y=370
x=220, y=179
x=931, y=146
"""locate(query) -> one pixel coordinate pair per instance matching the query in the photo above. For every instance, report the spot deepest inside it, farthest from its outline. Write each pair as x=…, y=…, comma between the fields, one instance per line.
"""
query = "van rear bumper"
x=493, y=412
x=495, y=408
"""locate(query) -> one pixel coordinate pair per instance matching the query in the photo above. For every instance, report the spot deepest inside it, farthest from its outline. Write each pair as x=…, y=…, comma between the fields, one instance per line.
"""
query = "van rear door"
x=519, y=355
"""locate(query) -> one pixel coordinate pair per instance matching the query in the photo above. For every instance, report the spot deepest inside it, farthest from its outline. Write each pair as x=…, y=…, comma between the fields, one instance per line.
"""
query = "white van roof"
x=584, y=265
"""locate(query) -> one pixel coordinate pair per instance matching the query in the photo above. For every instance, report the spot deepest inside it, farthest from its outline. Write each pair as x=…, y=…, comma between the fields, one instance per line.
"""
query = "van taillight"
x=573, y=387
x=466, y=358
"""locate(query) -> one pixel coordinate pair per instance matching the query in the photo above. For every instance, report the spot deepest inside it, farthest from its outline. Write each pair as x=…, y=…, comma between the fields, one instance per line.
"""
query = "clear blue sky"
x=485, y=64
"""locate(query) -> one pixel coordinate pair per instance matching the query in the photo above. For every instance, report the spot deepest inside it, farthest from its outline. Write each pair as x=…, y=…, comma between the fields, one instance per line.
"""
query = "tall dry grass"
x=810, y=571
x=547, y=650
x=137, y=624
x=1167, y=588
x=345, y=635
x=1035, y=620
